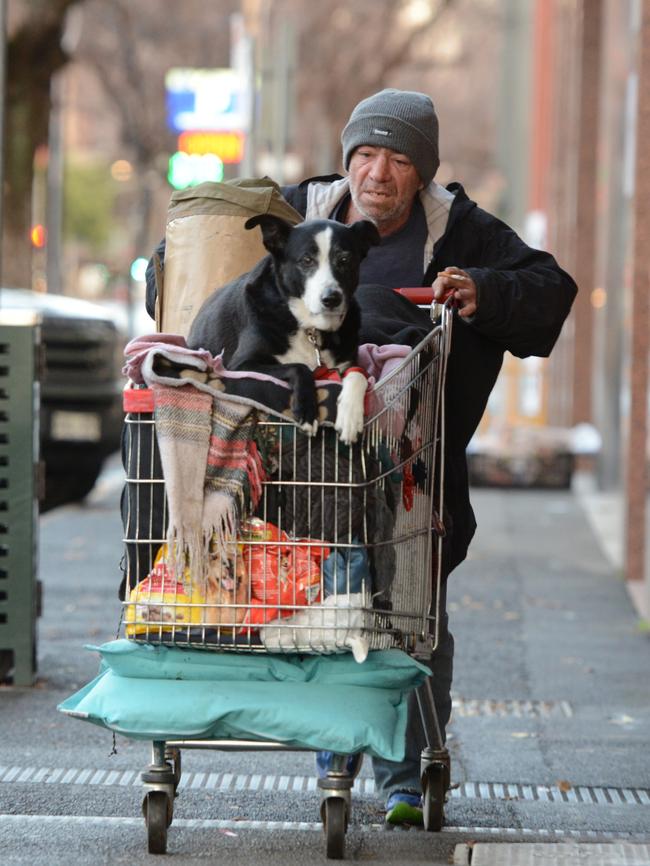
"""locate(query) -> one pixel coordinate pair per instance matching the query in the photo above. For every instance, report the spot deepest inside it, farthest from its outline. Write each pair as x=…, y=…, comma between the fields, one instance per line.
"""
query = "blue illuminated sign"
x=206, y=100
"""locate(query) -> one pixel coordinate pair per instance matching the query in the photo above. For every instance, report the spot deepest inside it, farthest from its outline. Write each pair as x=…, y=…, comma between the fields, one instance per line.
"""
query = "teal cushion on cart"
x=390, y=668
x=312, y=702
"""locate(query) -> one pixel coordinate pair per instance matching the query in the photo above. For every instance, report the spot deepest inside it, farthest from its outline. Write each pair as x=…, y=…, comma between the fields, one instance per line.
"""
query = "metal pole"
x=54, y=202
x=608, y=383
x=637, y=472
x=586, y=229
x=242, y=58
x=513, y=109
x=280, y=95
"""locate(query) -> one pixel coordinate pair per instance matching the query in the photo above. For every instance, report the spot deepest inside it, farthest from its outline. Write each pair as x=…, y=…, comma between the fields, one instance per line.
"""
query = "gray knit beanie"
x=404, y=121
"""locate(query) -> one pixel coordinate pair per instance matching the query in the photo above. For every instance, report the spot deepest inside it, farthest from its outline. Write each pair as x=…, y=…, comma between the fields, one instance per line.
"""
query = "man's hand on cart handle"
x=455, y=283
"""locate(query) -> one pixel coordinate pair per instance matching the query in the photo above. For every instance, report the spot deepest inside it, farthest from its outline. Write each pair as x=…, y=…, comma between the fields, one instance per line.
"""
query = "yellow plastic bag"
x=160, y=603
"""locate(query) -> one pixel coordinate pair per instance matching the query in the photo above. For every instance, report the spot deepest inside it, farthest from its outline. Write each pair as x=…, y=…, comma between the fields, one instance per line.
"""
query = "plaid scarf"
x=212, y=471
x=234, y=472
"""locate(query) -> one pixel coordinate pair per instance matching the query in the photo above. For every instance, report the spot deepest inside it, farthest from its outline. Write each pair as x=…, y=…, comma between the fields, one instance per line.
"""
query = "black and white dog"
x=294, y=312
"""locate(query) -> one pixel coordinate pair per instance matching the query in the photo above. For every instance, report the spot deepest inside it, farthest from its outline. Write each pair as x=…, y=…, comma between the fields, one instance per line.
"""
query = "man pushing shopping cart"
x=338, y=552
x=509, y=297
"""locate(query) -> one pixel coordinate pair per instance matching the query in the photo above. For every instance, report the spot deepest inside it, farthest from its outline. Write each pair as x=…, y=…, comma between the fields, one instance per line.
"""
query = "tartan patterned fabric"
x=233, y=451
x=212, y=471
x=234, y=472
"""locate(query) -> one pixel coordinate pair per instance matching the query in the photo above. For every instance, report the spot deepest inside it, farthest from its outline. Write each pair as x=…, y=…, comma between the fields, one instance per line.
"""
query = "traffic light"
x=190, y=169
x=38, y=236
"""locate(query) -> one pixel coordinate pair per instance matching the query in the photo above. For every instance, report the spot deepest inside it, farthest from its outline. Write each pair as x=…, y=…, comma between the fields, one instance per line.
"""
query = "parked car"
x=81, y=390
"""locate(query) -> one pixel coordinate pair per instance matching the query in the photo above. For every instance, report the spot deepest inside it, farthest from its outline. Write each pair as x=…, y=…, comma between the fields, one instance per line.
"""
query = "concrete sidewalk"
x=551, y=725
x=605, y=511
x=550, y=737
x=551, y=854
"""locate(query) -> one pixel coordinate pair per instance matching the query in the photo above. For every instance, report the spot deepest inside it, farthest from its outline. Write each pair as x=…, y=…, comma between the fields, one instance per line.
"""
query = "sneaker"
x=324, y=761
x=404, y=808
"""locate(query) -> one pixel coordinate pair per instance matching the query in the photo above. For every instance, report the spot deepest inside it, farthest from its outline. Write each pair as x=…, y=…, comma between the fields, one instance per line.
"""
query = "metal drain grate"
x=519, y=709
x=586, y=794
x=235, y=782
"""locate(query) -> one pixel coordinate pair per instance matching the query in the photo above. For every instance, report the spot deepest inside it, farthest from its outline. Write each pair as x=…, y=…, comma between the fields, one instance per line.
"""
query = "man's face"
x=383, y=184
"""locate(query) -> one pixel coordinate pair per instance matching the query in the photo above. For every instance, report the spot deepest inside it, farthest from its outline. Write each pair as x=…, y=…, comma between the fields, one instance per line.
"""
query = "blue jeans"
x=405, y=775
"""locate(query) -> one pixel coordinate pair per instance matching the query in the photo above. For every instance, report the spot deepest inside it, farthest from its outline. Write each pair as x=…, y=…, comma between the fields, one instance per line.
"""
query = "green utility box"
x=19, y=452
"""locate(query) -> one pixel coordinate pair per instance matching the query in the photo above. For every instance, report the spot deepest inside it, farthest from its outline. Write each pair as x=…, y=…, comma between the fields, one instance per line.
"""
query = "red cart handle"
x=422, y=294
x=137, y=399
x=141, y=399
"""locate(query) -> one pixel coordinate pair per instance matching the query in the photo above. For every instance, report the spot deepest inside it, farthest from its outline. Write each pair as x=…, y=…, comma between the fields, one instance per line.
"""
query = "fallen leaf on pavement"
x=623, y=719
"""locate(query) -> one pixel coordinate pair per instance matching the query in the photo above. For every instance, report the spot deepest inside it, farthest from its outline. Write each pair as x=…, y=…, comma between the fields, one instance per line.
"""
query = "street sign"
x=205, y=99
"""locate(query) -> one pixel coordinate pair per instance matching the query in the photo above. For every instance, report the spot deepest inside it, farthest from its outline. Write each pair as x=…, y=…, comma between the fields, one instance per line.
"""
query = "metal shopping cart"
x=342, y=553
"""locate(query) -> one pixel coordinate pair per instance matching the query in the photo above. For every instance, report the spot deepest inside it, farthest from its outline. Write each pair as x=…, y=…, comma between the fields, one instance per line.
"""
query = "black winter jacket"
x=523, y=299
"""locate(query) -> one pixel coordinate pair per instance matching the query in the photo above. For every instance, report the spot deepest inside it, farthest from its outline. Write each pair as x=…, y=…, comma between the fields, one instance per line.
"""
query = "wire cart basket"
x=342, y=553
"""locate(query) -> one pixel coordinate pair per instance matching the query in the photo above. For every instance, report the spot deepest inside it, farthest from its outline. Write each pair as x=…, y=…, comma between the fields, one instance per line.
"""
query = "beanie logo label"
x=385, y=132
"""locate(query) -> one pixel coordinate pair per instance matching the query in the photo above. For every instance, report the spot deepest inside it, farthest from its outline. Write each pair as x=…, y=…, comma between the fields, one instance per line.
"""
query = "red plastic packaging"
x=286, y=573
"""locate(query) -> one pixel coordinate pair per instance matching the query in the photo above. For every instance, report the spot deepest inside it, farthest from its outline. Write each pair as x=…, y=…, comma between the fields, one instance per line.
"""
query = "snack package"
x=226, y=585
x=160, y=602
x=284, y=573
x=268, y=575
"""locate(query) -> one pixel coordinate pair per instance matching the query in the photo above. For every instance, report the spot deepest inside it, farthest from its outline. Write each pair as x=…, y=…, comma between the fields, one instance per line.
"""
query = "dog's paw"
x=309, y=427
x=305, y=409
x=349, y=408
x=349, y=428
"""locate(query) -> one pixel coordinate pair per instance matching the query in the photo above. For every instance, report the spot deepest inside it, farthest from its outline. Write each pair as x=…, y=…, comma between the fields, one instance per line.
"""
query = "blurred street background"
x=109, y=106
x=544, y=109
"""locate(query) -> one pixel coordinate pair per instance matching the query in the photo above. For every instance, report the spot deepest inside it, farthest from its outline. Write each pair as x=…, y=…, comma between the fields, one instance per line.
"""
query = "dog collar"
x=355, y=370
x=312, y=336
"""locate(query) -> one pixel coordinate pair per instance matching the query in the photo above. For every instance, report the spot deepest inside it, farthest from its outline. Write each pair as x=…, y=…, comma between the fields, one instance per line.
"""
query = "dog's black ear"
x=275, y=231
x=366, y=234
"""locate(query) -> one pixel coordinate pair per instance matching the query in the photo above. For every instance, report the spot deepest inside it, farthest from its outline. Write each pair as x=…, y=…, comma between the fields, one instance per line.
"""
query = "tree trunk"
x=34, y=54
x=21, y=144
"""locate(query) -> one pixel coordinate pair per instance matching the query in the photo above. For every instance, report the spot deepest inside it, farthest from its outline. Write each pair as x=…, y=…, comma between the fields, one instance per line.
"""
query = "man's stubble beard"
x=382, y=216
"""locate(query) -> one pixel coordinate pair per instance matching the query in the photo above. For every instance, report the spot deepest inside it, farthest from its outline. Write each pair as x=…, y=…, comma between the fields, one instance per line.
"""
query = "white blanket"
x=336, y=624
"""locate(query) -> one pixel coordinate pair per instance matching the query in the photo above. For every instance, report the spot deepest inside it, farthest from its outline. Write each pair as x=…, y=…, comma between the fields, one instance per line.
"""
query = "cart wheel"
x=157, y=816
x=434, y=788
x=335, y=820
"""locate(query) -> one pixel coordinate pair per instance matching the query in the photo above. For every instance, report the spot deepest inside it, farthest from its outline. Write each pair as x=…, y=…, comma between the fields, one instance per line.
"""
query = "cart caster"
x=174, y=755
x=435, y=781
x=334, y=812
x=157, y=809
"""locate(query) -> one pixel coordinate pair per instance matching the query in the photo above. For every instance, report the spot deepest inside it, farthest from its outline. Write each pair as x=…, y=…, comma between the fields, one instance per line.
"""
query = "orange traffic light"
x=38, y=236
